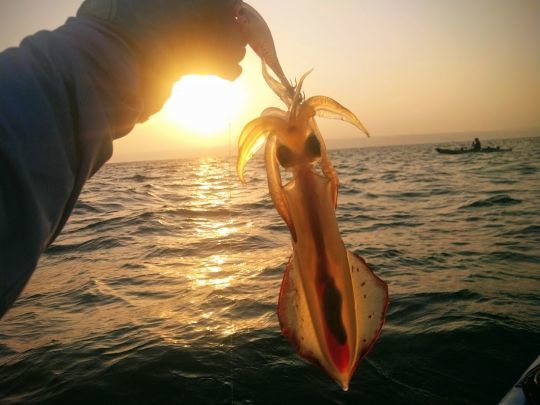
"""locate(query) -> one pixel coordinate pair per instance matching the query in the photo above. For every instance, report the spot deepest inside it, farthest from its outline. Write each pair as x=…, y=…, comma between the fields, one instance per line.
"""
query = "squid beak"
x=258, y=36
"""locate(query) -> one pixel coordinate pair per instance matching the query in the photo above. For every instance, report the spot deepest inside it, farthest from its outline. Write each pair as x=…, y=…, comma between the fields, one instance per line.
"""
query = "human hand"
x=172, y=38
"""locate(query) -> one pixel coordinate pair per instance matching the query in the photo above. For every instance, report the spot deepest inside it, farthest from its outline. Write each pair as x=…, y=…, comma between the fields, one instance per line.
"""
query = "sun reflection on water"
x=212, y=194
x=194, y=267
x=211, y=273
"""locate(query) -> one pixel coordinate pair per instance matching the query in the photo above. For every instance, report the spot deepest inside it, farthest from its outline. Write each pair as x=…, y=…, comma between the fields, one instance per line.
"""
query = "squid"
x=331, y=305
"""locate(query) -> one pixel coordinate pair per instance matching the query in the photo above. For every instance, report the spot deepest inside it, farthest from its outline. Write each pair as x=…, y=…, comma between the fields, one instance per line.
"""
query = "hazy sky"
x=404, y=67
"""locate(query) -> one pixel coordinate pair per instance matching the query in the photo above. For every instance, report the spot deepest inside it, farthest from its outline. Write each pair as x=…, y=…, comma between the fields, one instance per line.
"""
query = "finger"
x=225, y=64
x=228, y=51
x=231, y=73
x=216, y=42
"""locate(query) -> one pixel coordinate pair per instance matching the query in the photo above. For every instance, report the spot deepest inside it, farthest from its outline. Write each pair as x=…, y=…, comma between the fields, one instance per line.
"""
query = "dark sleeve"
x=64, y=96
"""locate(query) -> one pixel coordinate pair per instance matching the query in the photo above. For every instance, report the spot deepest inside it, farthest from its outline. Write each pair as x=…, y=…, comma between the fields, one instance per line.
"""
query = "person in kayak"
x=66, y=94
x=476, y=145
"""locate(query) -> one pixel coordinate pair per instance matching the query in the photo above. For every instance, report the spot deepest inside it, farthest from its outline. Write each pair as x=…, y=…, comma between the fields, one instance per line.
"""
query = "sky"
x=403, y=67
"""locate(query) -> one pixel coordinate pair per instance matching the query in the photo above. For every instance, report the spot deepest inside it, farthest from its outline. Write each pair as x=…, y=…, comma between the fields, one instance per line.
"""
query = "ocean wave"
x=512, y=256
x=140, y=178
x=390, y=224
x=104, y=243
x=528, y=170
x=87, y=208
x=202, y=212
x=361, y=180
x=89, y=245
x=527, y=231
x=503, y=200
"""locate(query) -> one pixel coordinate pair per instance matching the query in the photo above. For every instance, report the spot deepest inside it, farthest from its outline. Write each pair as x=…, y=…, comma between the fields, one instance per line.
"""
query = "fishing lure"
x=331, y=305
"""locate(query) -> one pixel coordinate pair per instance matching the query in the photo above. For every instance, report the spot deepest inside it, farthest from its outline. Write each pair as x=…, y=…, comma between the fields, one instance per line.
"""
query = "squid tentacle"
x=297, y=99
x=325, y=163
x=285, y=94
x=274, y=184
x=253, y=137
x=259, y=38
x=275, y=112
x=328, y=108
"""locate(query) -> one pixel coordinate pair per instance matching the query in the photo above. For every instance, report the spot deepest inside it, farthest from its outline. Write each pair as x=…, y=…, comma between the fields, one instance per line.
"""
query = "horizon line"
x=333, y=144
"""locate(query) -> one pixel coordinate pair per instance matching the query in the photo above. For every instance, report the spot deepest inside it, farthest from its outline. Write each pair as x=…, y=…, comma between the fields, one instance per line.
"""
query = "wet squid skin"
x=331, y=305
x=321, y=261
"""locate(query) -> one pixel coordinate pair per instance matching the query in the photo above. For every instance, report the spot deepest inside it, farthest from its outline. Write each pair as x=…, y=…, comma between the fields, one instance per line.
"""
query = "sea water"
x=163, y=286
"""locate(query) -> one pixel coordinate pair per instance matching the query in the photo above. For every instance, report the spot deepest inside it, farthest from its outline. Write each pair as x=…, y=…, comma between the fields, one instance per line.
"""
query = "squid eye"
x=285, y=156
x=312, y=147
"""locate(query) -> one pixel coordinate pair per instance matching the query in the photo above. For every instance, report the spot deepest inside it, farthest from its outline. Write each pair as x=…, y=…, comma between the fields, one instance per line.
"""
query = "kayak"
x=489, y=149
x=526, y=391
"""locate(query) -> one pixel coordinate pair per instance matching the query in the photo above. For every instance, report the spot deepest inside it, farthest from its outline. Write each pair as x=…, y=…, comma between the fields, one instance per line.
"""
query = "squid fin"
x=371, y=302
x=371, y=298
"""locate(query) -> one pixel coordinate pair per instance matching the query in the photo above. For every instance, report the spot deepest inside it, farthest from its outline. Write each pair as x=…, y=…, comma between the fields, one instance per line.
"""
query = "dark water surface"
x=163, y=286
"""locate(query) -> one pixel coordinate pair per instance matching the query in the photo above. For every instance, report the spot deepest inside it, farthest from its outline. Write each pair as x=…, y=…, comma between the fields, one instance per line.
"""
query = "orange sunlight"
x=204, y=105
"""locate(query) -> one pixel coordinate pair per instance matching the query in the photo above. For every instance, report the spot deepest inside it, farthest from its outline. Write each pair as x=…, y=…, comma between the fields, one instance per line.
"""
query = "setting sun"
x=204, y=104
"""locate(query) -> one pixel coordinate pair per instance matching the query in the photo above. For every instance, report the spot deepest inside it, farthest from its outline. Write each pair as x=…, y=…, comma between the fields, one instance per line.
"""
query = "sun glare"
x=204, y=104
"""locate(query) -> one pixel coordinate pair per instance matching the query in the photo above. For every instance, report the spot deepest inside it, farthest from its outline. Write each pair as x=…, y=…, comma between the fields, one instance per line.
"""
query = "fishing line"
x=230, y=185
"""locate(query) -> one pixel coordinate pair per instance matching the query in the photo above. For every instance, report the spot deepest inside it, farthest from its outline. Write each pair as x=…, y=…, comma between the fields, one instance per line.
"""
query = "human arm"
x=64, y=96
